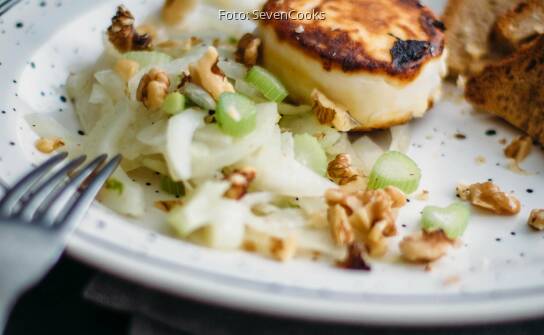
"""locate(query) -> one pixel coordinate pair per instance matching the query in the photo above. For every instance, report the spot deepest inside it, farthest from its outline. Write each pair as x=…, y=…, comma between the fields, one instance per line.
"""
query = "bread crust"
x=346, y=39
x=470, y=26
x=512, y=89
x=520, y=23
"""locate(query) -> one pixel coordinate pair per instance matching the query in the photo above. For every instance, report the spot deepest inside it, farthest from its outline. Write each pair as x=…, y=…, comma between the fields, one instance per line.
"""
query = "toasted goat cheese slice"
x=382, y=60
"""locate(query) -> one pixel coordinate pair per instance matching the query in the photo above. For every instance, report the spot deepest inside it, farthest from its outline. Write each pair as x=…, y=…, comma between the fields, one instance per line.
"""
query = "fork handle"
x=7, y=300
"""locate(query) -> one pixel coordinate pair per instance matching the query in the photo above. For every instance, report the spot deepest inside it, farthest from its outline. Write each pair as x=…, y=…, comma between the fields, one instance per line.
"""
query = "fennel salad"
x=241, y=165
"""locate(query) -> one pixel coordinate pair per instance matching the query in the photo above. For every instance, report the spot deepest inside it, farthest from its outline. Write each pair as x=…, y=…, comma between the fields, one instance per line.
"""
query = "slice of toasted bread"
x=469, y=26
x=521, y=23
x=512, y=89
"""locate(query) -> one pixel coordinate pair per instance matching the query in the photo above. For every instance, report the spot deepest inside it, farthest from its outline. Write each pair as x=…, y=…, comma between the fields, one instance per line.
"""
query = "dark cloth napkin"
x=156, y=313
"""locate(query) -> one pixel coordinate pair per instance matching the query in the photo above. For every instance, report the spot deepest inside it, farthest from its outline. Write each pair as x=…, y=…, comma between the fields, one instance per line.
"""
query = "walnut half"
x=329, y=113
x=489, y=196
x=341, y=171
x=206, y=74
x=153, y=88
x=123, y=35
x=248, y=50
x=369, y=214
x=423, y=247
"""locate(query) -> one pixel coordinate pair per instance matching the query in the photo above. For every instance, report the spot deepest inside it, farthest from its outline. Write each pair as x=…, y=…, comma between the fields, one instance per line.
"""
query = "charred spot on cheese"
x=406, y=53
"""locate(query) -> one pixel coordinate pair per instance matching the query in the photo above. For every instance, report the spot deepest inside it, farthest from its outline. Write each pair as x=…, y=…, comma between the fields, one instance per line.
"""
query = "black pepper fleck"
x=81, y=132
x=529, y=190
x=491, y=132
x=19, y=25
x=63, y=98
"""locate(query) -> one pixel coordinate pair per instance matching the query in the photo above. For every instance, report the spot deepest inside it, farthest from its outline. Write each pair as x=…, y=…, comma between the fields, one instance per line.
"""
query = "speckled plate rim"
x=131, y=265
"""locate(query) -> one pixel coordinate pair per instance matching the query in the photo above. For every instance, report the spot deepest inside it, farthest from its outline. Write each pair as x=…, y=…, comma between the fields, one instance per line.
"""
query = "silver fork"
x=36, y=217
x=6, y=5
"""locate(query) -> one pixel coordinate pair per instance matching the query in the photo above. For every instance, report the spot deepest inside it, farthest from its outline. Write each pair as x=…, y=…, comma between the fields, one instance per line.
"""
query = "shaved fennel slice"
x=179, y=136
x=232, y=69
x=401, y=138
x=226, y=234
x=288, y=145
x=173, y=69
x=156, y=164
x=208, y=158
x=98, y=95
x=79, y=87
x=108, y=131
x=308, y=123
x=292, y=110
x=287, y=223
x=312, y=205
x=243, y=87
x=283, y=175
x=130, y=201
x=112, y=83
x=368, y=152
x=195, y=214
x=154, y=135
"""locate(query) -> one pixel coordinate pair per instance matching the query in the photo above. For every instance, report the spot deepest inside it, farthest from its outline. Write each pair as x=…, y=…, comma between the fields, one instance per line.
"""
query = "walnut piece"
x=248, y=50
x=123, y=35
x=341, y=229
x=329, y=113
x=489, y=196
x=174, y=11
x=536, y=219
x=423, y=247
x=168, y=205
x=519, y=149
x=341, y=171
x=239, y=180
x=126, y=68
x=153, y=88
x=206, y=74
x=48, y=145
x=369, y=213
x=283, y=249
x=148, y=29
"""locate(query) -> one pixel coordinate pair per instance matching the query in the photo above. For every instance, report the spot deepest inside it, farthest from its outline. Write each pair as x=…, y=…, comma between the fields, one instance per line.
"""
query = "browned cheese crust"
x=347, y=38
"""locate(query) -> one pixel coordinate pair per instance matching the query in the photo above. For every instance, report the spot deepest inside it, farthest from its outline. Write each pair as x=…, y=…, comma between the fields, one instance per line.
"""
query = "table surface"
x=56, y=306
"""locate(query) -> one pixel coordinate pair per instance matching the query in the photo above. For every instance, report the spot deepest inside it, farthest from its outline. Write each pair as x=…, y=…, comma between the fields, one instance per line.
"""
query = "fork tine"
x=80, y=206
x=14, y=195
x=47, y=213
x=40, y=195
x=8, y=6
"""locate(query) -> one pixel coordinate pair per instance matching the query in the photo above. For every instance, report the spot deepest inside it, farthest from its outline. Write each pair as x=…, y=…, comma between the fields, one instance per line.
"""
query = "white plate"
x=496, y=275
